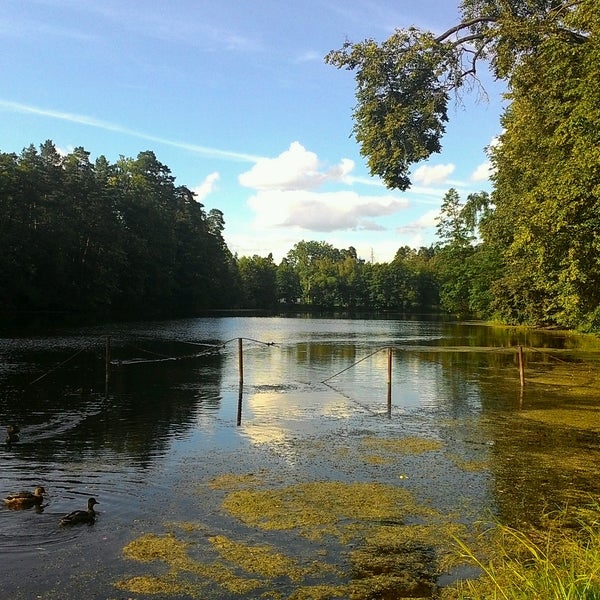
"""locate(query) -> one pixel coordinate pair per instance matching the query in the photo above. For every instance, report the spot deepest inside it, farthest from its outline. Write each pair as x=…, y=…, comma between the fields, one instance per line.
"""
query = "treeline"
x=317, y=274
x=124, y=240
x=117, y=239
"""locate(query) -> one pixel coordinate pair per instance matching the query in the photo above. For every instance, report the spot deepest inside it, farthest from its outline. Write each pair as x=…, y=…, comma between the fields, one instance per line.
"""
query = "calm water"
x=174, y=416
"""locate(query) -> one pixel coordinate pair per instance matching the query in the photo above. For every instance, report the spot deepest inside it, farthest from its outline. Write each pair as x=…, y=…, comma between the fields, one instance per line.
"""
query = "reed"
x=559, y=562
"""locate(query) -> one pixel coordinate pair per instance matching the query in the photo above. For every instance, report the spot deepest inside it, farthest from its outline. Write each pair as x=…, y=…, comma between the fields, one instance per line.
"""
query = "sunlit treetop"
x=404, y=83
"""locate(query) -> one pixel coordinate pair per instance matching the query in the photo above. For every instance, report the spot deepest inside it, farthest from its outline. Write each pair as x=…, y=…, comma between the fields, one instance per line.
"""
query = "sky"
x=235, y=98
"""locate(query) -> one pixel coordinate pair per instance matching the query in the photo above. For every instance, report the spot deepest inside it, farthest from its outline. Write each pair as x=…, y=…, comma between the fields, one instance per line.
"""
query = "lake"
x=242, y=456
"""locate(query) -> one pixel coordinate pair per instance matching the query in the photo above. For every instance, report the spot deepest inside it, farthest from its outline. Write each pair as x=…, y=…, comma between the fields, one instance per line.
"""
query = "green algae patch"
x=384, y=557
x=384, y=451
x=232, y=481
x=164, y=586
x=573, y=379
x=319, y=592
x=440, y=535
x=174, y=553
x=578, y=417
x=375, y=459
x=151, y=547
x=407, y=445
x=261, y=560
x=468, y=465
x=320, y=508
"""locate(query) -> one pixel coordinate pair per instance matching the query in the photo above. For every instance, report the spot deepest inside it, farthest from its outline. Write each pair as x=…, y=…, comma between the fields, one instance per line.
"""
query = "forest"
x=123, y=239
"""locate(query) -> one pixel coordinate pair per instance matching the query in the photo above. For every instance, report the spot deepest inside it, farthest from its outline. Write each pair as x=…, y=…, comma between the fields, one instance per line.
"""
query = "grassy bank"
x=560, y=561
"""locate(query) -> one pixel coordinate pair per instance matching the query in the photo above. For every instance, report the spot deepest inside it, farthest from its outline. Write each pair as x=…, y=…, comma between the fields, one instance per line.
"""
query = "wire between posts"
x=356, y=363
x=64, y=362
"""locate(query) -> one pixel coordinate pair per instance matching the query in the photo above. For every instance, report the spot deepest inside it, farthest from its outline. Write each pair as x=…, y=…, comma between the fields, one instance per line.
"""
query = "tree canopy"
x=111, y=238
x=536, y=246
x=404, y=84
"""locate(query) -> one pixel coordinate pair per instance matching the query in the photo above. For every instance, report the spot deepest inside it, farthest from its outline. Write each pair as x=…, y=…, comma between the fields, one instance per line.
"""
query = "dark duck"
x=81, y=516
x=12, y=434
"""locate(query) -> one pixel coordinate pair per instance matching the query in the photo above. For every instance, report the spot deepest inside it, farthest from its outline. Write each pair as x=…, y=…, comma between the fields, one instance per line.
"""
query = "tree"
x=258, y=281
x=288, y=283
x=306, y=258
x=404, y=84
x=538, y=260
x=465, y=269
x=117, y=239
x=547, y=185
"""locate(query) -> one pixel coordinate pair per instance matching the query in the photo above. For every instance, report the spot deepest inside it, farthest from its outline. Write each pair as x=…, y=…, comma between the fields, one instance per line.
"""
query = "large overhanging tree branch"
x=403, y=84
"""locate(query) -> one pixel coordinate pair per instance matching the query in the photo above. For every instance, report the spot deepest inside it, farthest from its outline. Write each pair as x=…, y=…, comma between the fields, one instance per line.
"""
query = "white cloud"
x=482, y=172
x=433, y=174
x=294, y=169
x=425, y=221
x=322, y=212
x=17, y=107
x=206, y=187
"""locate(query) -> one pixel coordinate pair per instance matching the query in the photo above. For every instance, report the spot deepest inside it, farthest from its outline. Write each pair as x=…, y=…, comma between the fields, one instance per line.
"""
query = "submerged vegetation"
x=379, y=550
x=392, y=559
x=368, y=539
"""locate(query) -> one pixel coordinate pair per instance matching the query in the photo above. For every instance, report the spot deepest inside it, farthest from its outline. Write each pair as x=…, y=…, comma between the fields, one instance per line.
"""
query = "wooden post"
x=107, y=364
x=389, y=384
x=241, y=360
x=239, y=407
x=521, y=366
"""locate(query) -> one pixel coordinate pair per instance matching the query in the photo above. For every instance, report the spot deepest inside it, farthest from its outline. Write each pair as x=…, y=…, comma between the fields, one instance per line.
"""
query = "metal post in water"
x=389, y=384
x=241, y=361
x=521, y=366
x=239, y=407
x=107, y=365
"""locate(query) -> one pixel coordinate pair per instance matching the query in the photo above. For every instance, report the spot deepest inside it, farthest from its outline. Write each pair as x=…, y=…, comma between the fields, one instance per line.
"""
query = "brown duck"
x=25, y=499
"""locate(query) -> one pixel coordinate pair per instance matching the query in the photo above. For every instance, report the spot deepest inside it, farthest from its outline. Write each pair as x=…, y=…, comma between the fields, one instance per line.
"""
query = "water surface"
x=173, y=415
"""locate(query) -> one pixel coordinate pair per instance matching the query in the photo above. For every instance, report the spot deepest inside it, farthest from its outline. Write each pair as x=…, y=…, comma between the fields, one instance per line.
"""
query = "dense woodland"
x=112, y=239
x=123, y=239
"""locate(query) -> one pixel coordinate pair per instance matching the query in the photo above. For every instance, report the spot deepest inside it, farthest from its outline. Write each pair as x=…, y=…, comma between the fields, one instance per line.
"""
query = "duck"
x=12, y=434
x=81, y=516
x=25, y=499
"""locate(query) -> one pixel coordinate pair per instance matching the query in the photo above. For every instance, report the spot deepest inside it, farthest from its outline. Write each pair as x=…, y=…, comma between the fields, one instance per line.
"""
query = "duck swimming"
x=81, y=516
x=12, y=434
x=26, y=499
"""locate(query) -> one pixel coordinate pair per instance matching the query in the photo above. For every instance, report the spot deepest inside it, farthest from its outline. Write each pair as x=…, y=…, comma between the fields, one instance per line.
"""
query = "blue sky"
x=235, y=98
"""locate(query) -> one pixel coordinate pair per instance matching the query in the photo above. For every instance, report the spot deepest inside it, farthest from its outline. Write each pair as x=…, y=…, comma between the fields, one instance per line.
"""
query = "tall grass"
x=561, y=562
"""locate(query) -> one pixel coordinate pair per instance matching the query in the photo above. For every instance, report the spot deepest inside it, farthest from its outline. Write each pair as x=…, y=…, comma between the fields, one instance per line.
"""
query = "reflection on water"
x=143, y=443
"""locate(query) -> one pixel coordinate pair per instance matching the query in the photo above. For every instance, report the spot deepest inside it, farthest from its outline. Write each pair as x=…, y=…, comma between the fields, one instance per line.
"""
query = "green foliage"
x=258, y=277
x=316, y=273
x=117, y=239
x=536, y=258
x=558, y=563
x=465, y=269
x=402, y=103
x=326, y=276
x=288, y=283
x=547, y=188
